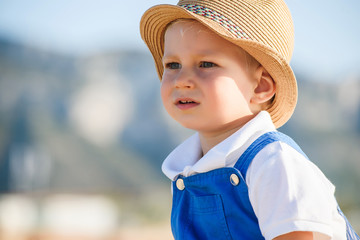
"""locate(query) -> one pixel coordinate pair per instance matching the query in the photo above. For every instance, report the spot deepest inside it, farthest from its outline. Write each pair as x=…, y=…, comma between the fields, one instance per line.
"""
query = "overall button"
x=180, y=184
x=234, y=179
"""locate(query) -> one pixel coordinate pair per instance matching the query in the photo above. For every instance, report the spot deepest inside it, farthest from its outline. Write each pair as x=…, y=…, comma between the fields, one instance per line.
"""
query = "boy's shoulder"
x=272, y=143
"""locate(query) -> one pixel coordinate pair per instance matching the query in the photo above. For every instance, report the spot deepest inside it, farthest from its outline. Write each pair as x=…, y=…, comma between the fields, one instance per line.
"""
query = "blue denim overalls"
x=216, y=205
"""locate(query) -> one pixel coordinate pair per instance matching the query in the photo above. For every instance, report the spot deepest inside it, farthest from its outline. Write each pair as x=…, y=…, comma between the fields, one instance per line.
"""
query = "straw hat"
x=263, y=28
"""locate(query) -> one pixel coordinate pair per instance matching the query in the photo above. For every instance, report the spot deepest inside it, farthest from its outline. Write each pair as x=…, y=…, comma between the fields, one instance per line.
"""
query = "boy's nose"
x=185, y=79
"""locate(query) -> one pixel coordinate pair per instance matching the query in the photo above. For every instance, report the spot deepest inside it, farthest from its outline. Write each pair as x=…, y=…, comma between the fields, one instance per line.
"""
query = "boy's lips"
x=186, y=103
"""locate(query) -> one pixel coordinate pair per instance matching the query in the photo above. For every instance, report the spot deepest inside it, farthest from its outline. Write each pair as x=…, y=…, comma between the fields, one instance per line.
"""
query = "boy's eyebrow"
x=200, y=55
x=166, y=57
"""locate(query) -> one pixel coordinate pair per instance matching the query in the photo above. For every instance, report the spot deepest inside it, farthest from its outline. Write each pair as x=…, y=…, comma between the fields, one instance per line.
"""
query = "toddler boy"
x=225, y=73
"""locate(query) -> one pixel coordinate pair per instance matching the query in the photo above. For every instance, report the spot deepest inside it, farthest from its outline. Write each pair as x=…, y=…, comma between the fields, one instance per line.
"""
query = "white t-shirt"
x=287, y=191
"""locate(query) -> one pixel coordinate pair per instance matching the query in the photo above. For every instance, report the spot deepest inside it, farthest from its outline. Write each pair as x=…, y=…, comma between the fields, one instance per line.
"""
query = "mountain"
x=96, y=123
x=42, y=149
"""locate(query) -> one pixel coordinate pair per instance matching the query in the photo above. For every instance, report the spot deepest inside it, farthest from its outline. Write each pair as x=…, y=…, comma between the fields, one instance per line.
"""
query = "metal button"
x=180, y=184
x=234, y=179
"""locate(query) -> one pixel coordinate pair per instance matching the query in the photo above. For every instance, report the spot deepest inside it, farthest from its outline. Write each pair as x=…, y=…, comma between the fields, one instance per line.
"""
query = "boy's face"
x=206, y=85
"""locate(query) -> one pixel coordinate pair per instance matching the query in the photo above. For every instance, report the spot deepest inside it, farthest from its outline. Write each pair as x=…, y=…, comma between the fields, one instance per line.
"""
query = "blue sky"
x=327, y=32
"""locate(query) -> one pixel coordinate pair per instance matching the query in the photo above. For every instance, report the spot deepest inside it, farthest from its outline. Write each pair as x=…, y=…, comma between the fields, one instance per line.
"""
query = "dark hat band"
x=217, y=17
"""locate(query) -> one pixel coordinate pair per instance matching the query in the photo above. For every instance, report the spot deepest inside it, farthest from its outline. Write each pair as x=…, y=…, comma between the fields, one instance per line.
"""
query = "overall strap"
x=350, y=232
x=246, y=158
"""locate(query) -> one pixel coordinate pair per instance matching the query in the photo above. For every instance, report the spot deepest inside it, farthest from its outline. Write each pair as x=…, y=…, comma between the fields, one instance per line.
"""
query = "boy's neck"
x=208, y=141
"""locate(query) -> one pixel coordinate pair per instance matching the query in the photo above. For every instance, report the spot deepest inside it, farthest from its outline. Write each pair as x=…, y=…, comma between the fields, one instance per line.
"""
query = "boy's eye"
x=207, y=64
x=173, y=65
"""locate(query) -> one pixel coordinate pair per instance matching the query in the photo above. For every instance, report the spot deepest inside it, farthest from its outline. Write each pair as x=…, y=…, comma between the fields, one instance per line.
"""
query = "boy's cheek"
x=164, y=94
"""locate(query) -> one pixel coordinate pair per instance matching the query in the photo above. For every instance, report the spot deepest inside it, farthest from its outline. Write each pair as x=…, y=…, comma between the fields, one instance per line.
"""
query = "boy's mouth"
x=186, y=101
x=184, y=104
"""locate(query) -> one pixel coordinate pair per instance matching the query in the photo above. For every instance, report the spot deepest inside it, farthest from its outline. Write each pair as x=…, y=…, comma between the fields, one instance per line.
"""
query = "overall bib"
x=216, y=204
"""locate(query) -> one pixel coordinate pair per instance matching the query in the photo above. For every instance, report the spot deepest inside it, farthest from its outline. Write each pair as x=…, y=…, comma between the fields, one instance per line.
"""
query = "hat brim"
x=152, y=29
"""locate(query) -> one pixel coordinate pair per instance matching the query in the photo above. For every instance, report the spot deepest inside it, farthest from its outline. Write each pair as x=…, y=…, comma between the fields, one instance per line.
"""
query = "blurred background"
x=83, y=132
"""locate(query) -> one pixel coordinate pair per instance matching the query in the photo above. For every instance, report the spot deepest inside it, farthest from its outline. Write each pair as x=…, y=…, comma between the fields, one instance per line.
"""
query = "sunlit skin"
x=208, y=86
x=297, y=236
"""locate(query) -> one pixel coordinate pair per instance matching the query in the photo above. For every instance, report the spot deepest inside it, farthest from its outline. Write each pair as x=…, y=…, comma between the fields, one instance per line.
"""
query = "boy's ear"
x=265, y=88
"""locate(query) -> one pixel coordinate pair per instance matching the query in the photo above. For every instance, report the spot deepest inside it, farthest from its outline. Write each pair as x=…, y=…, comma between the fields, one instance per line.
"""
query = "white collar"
x=186, y=158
